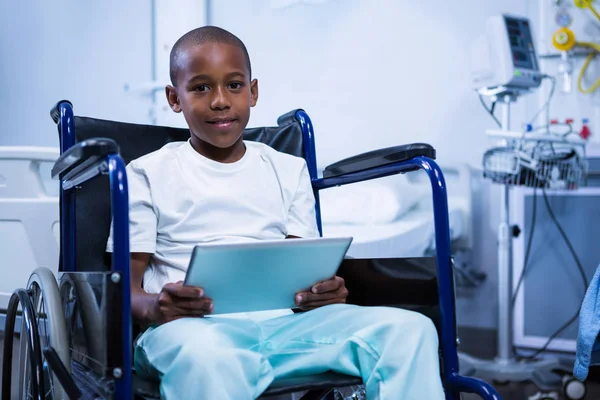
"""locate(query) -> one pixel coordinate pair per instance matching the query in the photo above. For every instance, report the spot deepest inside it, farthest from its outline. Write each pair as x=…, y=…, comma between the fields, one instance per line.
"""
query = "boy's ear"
x=173, y=98
x=253, y=92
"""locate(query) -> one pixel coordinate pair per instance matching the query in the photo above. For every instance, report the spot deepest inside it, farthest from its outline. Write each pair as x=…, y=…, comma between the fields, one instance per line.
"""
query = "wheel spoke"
x=46, y=299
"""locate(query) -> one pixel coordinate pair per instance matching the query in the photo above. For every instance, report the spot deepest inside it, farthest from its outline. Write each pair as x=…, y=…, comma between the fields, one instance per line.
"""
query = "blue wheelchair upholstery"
x=86, y=201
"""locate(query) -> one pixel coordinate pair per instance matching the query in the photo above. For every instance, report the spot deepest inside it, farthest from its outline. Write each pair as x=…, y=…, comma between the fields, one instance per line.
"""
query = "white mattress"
x=411, y=235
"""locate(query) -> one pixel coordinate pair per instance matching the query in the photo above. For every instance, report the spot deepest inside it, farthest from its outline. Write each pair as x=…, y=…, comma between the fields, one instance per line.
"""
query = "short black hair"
x=198, y=36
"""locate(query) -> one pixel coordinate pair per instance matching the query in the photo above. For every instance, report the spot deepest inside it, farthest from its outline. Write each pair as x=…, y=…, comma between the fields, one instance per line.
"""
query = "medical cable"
x=490, y=110
x=567, y=241
x=585, y=66
x=581, y=271
x=568, y=132
x=550, y=339
x=527, y=250
x=521, y=278
x=546, y=105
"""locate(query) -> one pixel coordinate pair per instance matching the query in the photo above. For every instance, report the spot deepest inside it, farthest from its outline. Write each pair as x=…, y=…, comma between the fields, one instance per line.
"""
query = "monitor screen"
x=521, y=43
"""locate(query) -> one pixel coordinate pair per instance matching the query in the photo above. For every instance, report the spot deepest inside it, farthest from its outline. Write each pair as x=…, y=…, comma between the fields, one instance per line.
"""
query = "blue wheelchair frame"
x=115, y=167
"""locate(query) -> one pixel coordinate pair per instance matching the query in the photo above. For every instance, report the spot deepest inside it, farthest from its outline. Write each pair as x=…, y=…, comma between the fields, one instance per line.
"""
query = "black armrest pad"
x=377, y=158
x=86, y=151
x=55, y=111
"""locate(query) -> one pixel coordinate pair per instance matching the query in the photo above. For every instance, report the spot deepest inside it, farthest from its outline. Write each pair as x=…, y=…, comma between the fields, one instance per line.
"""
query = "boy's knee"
x=426, y=328
x=403, y=323
x=214, y=355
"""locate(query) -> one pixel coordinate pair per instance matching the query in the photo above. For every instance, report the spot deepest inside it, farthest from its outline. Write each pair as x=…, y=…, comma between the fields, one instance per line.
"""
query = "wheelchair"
x=77, y=332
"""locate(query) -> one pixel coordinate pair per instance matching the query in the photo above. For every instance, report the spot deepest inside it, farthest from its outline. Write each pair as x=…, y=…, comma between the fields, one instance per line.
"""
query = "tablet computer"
x=263, y=275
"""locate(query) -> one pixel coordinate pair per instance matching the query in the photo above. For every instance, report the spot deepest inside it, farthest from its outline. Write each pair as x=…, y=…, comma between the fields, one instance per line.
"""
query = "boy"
x=217, y=188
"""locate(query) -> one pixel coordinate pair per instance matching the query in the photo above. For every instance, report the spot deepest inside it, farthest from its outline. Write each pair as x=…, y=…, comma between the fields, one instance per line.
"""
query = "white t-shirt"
x=179, y=198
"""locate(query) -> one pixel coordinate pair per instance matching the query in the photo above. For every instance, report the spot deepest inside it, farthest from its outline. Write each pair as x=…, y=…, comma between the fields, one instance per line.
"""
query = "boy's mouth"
x=222, y=122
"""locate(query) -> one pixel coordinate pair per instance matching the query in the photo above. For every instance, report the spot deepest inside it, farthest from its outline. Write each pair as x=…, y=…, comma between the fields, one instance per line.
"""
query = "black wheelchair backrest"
x=92, y=200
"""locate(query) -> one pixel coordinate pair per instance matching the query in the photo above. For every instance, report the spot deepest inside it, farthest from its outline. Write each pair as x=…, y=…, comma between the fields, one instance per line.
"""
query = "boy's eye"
x=201, y=88
x=235, y=85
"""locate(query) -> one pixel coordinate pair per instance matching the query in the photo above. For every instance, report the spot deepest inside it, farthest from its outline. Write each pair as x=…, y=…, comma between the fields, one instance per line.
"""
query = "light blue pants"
x=394, y=351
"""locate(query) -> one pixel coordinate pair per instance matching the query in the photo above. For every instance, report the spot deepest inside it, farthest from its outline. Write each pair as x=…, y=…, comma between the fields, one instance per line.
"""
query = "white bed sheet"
x=411, y=235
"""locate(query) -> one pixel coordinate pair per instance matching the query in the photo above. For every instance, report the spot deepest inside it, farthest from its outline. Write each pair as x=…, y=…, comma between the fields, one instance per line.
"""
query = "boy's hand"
x=177, y=301
x=331, y=291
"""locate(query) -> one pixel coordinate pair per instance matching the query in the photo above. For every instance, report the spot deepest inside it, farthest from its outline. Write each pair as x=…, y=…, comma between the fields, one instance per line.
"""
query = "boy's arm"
x=174, y=300
x=142, y=303
x=302, y=222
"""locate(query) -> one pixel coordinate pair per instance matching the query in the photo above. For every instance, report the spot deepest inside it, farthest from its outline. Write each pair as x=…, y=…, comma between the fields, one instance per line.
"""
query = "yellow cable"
x=584, y=68
x=580, y=78
x=592, y=9
x=589, y=44
x=586, y=4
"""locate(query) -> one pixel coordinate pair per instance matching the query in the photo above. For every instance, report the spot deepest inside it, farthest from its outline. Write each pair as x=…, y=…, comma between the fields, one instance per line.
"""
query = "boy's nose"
x=220, y=100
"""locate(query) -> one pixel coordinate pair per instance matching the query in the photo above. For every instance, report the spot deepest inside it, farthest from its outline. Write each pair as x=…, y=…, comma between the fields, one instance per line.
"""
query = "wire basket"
x=537, y=163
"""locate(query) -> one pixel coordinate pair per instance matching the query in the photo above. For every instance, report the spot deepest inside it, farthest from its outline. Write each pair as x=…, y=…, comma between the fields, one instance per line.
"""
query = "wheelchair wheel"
x=43, y=291
x=83, y=316
x=573, y=389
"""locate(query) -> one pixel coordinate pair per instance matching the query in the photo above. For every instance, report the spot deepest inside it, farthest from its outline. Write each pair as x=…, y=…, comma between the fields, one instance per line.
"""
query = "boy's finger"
x=190, y=292
x=201, y=304
x=196, y=313
x=329, y=285
x=182, y=311
x=301, y=298
x=305, y=298
x=317, y=304
x=188, y=313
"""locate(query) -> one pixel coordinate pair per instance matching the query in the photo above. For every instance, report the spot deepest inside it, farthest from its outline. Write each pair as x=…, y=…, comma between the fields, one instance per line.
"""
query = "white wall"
x=370, y=73
x=83, y=51
x=379, y=73
x=172, y=19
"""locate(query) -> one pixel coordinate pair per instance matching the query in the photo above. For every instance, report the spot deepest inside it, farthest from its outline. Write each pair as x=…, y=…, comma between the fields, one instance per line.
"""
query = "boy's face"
x=214, y=92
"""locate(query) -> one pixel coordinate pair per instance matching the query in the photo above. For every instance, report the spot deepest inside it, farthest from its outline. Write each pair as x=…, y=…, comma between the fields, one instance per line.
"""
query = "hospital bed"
x=29, y=223
x=77, y=332
x=392, y=218
x=406, y=228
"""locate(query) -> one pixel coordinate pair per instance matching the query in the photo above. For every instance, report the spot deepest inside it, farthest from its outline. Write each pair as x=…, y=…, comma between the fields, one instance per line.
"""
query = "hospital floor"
x=479, y=343
x=482, y=343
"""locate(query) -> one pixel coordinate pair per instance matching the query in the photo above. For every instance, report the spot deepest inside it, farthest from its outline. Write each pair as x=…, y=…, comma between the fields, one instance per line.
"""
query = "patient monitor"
x=505, y=56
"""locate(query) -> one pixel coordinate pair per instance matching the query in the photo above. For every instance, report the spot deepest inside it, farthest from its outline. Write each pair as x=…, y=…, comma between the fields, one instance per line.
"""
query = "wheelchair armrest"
x=83, y=157
x=377, y=158
x=55, y=110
